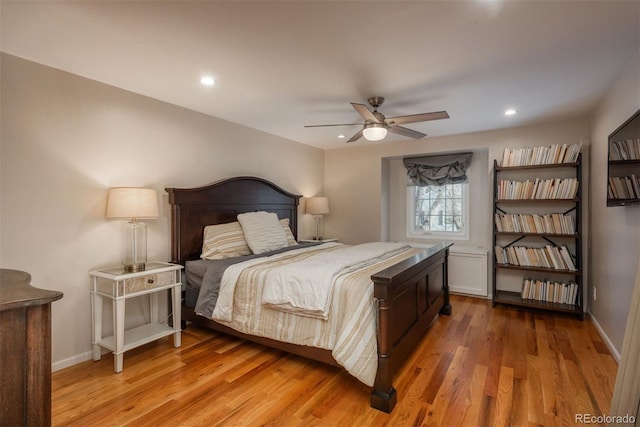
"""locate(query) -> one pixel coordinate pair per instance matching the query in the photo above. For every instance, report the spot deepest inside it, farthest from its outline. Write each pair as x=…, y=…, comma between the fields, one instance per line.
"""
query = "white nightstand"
x=118, y=286
x=317, y=241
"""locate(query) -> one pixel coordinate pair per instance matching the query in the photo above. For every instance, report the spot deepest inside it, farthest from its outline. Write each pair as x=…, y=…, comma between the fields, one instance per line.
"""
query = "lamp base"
x=134, y=268
x=319, y=227
x=134, y=252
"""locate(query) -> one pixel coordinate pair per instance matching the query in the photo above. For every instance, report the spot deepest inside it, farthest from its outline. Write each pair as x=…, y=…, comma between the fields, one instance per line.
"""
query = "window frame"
x=437, y=235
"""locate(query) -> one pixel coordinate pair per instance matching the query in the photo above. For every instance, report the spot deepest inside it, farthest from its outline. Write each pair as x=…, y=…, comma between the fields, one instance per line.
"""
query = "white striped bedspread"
x=349, y=329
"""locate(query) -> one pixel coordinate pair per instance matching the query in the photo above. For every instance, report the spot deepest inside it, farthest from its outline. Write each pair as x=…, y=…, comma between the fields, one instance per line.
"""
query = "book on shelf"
x=553, y=223
x=549, y=291
x=551, y=257
x=628, y=149
x=624, y=187
x=543, y=155
x=538, y=189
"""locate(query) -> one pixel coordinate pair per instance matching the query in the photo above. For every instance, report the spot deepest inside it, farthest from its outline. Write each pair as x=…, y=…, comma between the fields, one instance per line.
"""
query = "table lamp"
x=133, y=204
x=317, y=206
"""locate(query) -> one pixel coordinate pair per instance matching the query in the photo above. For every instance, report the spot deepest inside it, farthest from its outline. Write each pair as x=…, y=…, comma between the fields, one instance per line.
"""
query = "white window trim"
x=437, y=235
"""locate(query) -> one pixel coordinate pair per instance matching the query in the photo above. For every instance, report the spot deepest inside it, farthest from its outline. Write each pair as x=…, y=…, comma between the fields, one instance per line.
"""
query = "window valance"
x=438, y=170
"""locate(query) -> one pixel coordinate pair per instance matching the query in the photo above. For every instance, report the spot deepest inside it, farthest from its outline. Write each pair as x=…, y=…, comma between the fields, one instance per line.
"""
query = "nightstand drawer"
x=135, y=284
x=149, y=282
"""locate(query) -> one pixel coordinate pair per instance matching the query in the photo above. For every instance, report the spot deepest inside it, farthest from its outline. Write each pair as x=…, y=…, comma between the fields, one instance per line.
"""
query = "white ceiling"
x=280, y=65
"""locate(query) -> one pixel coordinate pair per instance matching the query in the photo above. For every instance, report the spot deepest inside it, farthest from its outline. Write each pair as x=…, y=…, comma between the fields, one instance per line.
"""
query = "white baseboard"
x=463, y=294
x=605, y=338
x=70, y=361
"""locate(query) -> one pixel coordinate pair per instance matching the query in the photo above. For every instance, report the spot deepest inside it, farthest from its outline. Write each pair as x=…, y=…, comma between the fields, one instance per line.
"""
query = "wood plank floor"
x=480, y=366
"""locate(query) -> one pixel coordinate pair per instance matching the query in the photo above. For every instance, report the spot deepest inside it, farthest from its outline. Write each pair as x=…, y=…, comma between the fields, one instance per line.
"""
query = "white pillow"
x=262, y=231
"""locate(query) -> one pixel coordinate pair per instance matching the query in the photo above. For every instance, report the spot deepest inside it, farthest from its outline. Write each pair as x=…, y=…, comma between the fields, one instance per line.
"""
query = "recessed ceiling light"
x=207, y=81
x=510, y=112
x=340, y=136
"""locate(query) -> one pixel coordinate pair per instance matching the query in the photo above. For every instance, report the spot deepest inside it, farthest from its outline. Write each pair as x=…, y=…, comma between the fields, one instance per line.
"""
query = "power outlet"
x=594, y=293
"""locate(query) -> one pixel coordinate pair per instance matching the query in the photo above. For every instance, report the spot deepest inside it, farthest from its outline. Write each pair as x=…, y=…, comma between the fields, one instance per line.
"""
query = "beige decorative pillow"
x=287, y=230
x=263, y=231
x=224, y=241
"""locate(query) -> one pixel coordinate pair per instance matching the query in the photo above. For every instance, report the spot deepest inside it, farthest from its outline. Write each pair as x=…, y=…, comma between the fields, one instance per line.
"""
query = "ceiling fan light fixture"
x=376, y=125
x=374, y=131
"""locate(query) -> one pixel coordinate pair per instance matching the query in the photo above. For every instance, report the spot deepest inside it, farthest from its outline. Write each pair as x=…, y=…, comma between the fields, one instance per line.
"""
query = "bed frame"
x=410, y=294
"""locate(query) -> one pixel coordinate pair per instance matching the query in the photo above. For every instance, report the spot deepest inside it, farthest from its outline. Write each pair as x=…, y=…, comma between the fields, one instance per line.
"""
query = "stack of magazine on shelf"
x=552, y=257
x=628, y=149
x=550, y=291
x=553, y=223
x=543, y=189
x=624, y=187
x=531, y=156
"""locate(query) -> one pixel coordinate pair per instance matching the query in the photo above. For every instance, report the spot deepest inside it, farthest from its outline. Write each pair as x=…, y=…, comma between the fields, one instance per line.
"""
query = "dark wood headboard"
x=194, y=208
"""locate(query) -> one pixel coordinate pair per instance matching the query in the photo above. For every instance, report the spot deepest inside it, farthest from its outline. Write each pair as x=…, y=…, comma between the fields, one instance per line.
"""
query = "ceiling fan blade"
x=356, y=137
x=342, y=124
x=406, y=132
x=414, y=118
x=365, y=112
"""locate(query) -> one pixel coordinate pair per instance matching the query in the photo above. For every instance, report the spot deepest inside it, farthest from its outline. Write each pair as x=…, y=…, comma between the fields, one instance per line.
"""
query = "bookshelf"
x=537, y=230
x=623, y=174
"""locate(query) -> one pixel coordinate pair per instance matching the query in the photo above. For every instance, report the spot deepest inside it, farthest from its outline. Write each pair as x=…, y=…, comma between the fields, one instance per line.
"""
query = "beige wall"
x=66, y=139
x=615, y=231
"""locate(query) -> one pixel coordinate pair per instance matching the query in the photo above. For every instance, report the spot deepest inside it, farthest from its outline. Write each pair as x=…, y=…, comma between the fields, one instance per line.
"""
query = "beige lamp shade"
x=318, y=205
x=132, y=202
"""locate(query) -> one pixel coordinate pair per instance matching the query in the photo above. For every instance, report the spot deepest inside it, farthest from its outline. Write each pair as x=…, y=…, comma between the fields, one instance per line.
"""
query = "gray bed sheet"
x=204, y=276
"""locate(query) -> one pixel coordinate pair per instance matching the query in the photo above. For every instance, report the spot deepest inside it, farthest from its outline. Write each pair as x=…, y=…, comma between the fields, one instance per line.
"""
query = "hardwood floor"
x=480, y=366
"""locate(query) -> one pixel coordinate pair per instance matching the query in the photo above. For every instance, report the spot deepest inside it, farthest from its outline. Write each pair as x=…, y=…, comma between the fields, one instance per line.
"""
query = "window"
x=438, y=211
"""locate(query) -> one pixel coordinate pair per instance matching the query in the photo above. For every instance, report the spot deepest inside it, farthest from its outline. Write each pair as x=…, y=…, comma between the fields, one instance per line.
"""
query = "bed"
x=409, y=294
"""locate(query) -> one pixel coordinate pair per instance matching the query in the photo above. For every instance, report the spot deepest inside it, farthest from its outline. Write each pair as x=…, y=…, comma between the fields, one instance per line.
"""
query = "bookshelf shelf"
x=526, y=246
x=537, y=269
x=536, y=200
x=515, y=233
x=545, y=166
x=514, y=298
x=625, y=162
x=622, y=202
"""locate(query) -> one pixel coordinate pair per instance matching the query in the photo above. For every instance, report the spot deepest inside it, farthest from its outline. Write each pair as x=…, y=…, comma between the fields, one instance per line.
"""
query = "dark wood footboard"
x=410, y=296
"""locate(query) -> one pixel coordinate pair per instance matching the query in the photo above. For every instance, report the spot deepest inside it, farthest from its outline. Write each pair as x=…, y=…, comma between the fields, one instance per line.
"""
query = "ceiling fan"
x=376, y=125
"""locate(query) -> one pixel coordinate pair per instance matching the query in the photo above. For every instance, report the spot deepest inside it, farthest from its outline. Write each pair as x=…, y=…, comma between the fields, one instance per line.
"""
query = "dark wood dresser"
x=25, y=350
